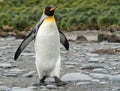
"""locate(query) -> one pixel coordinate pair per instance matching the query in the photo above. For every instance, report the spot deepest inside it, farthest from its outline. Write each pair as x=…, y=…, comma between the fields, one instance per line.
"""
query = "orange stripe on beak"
x=52, y=9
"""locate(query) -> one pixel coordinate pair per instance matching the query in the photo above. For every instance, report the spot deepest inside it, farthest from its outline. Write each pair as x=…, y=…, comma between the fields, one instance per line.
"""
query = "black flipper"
x=24, y=43
x=29, y=38
x=64, y=40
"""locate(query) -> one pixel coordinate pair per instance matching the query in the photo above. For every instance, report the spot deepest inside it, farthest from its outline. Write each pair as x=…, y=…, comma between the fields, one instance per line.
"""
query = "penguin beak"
x=53, y=8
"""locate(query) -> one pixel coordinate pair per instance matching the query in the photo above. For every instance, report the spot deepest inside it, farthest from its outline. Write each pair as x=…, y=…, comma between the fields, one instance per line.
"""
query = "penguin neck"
x=50, y=19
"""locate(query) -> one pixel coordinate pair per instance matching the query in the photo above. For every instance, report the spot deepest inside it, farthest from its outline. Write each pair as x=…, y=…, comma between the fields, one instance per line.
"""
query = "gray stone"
x=93, y=60
x=42, y=86
x=15, y=88
x=61, y=88
x=113, y=38
x=3, y=47
x=10, y=75
x=29, y=74
x=92, y=54
x=1, y=83
x=71, y=63
x=51, y=87
x=115, y=63
x=10, y=38
x=70, y=66
x=5, y=65
x=13, y=72
x=96, y=80
x=81, y=39
x=4, y=88
x=35, y=84
x=27, y=54
x=82, y=83
x=99, y=70
x=115, y=78
x=92, y=66
x=45, y=89
x=76, y=77
x=103, y=83
x=21, y=89
x=100, y=76
x=32, y=87
x=16, y=71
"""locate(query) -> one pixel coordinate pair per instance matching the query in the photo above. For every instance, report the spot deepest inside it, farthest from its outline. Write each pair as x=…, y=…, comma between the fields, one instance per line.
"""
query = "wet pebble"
x=115, y=63
x=1, y=83
x=99, y=70
x=13, y=72
x=15, y=88
x=103, y=83
x=32, y=87
x=10, y=75
x=71, y=63
x=10, y=38
x=91, y=66
x=4, y=88
x=92, y=55
x=17, y=71
x=45, y=89
x=29, y=74
x=115, y=78
x=51, y=87
x=21, y=89
x=3, y=47
x=6, y=65
x=70, y=66
x=76, y=77
x=96, y=80
x=82, y=83
x=27, y=54
x=100, y=76
x=42, y=86
x=93, y=60
x=35, y=84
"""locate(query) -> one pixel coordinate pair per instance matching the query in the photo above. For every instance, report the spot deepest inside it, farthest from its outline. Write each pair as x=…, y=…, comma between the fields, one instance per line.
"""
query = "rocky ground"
x=87, y=66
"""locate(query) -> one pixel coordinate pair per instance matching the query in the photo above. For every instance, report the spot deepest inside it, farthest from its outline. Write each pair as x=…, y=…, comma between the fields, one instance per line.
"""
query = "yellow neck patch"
x=50, y=19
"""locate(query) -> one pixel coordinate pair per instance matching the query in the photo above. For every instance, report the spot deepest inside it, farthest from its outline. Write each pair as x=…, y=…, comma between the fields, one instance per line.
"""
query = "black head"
x=49, y=10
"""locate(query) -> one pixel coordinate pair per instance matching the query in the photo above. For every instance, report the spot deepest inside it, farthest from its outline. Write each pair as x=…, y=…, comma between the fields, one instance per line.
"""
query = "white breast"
x=47, y=47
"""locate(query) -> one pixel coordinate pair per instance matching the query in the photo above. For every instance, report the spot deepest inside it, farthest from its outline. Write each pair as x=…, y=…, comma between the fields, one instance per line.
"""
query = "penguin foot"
x=42, y=81
x=59, y=82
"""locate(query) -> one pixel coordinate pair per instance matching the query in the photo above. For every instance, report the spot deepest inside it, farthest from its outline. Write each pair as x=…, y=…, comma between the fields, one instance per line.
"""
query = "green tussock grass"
x=70, y=15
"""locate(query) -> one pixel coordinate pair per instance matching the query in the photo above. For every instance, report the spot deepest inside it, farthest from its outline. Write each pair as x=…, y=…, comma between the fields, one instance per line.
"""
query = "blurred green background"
x=71, y=15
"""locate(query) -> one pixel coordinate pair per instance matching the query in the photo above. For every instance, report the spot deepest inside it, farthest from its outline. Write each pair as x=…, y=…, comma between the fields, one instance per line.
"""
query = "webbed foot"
x=59, y=82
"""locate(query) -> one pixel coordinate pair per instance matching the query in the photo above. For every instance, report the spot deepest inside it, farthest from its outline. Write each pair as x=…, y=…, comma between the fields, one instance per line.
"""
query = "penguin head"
x=49, y=10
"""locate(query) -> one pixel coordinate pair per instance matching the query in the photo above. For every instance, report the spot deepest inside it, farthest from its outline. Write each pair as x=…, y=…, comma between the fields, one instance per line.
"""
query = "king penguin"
x=47, y=46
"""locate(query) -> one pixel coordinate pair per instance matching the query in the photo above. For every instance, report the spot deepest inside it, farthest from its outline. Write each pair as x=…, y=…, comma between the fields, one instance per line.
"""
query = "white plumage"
x=47, y=49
